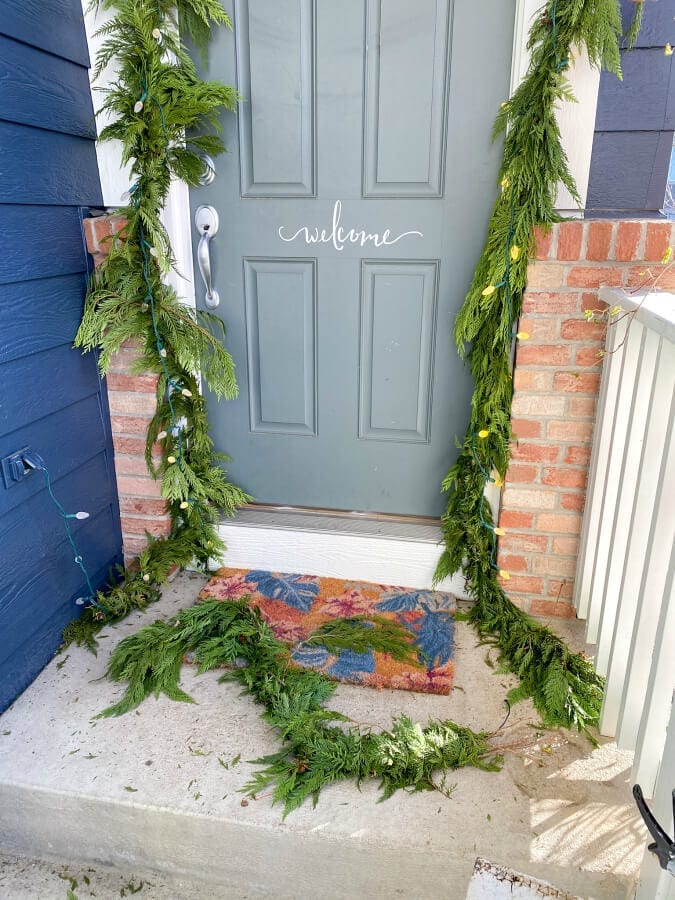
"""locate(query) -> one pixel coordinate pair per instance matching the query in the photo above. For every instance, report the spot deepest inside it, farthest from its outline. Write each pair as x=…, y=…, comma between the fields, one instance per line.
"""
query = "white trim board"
x=576, y=120
x=383, y=560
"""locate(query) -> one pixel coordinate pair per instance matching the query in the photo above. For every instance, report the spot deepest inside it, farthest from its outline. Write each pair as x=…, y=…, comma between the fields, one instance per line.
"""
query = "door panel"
x=353, y=207
x=407, y=57
x=280, y=298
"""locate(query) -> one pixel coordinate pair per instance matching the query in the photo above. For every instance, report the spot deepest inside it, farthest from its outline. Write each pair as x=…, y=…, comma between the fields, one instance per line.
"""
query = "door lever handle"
x=206, y=220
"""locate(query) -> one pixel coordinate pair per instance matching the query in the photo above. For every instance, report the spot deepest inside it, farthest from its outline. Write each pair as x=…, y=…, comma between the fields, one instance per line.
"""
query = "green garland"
x=157, y=100
x=564, y=686
x=316, y=751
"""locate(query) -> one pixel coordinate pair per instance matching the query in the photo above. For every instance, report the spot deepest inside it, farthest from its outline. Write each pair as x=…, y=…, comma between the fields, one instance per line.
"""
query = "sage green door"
x=353, y=205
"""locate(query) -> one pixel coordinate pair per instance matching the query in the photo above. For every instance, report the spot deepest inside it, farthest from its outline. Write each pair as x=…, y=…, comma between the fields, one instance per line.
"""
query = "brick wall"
x=556, y=382
x=132, y=405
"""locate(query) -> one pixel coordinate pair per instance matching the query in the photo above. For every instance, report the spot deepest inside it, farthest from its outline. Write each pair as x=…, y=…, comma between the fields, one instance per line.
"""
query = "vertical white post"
x=655, y=883
x=659, y=419
x=656, y=572
x=639, y=407
x=576, y=120
x=609, y=388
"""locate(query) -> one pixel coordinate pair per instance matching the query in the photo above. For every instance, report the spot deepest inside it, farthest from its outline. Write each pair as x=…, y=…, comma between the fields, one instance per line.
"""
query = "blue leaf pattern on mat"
x=351, y=665
x=290, y=589
x=412, y=600
x=310, y=657
x=434, y=635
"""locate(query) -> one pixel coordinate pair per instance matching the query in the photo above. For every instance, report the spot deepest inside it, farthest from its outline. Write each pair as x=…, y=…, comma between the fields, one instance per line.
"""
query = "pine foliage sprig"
x=320, y=746
x=564, y=686
x=155, y=103
x=363, y=633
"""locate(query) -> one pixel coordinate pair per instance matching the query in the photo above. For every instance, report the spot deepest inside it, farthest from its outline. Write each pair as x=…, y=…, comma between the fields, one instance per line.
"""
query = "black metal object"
x=663, y=846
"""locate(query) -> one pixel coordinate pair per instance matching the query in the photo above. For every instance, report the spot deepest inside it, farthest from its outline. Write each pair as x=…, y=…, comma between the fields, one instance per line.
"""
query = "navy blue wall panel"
x=56, y=26
x=51, y=397
x=46, y=167
x=44, y=90
x=635, y=121
x=40, y=241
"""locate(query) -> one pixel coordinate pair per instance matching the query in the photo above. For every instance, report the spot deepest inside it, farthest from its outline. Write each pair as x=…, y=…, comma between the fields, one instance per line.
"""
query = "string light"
x=483, y=433
x=36, y=462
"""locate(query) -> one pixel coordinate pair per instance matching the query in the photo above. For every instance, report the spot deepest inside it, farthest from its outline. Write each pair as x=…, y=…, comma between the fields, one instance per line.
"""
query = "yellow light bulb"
x=668, y=50
x=489, y=290
x=186, y=393
x=504, y=574
x=523, y=335
x=505, y=183
x=500, y=531
x=483, y=433
x=184, y=504
x=515, y=253
x=498, y=482
x=171, y=459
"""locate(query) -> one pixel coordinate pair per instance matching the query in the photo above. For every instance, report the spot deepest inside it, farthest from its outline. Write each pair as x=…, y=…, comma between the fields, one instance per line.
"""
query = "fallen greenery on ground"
x=319, y=746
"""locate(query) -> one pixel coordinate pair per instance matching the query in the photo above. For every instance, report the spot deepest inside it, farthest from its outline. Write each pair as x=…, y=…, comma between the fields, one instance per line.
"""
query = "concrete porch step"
x=158, y=790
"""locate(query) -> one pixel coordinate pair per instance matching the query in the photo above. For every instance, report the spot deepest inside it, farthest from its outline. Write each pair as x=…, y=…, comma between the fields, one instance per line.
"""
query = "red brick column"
x=556, y=379
x=132, y=404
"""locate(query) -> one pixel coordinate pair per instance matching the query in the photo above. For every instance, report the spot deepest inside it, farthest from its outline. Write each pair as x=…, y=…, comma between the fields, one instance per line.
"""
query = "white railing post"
x=655, y=883
x=624, y=583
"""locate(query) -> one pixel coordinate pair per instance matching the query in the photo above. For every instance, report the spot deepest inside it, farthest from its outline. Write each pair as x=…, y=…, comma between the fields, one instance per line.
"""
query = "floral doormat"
x=295, y=605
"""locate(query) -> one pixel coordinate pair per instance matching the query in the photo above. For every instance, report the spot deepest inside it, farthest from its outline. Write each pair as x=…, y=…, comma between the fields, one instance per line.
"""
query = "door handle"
x=206, y=220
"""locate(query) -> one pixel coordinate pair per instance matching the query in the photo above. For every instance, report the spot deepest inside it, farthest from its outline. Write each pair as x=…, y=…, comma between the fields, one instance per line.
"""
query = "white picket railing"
x=624, y=584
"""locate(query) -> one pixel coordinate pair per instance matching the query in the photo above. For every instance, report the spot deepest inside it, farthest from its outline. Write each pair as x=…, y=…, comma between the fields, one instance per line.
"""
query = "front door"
x=353, y=205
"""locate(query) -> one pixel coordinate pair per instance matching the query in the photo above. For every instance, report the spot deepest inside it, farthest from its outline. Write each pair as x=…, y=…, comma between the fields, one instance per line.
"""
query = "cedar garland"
x=158, y=99
x=564, y=686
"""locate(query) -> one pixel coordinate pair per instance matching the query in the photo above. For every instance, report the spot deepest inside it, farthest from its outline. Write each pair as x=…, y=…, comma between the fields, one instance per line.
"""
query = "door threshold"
x=414, y=528
x=352, y=548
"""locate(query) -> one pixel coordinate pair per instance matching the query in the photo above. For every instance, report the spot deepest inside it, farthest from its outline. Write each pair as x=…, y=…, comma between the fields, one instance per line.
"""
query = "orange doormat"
x=295, y=605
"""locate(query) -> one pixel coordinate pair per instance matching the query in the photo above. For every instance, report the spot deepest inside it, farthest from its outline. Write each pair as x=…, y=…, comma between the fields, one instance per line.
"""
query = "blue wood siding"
x=635, y=121
x=51, y=398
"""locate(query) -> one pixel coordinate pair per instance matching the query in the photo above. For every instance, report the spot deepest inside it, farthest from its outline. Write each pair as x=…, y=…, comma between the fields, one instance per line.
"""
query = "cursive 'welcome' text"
x=339, y=236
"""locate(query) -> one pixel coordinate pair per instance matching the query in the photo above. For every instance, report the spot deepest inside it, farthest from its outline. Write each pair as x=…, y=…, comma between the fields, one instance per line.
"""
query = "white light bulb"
x=162, y=353
x=161, y=435
x=138, y=106
x=80, y=601
x=81, y=515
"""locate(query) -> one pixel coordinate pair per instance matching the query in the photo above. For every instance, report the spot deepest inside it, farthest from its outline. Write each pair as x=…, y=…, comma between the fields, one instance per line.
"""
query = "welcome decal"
x=339, y=236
